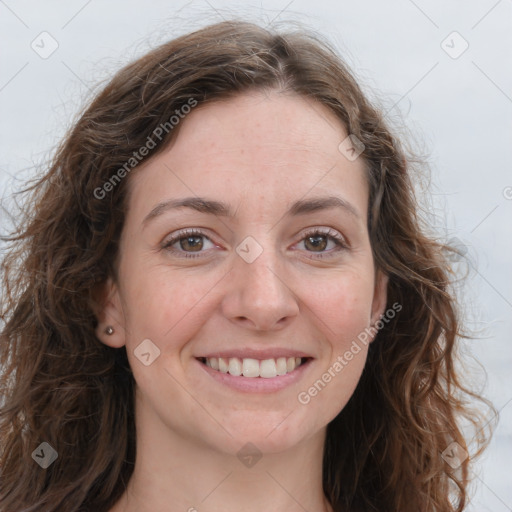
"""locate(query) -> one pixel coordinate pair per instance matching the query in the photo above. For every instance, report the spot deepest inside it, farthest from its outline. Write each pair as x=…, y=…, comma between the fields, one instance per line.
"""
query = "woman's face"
x=267, y=259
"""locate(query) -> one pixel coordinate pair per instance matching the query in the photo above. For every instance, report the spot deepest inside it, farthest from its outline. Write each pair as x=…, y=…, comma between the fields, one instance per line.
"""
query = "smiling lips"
x=249, y=367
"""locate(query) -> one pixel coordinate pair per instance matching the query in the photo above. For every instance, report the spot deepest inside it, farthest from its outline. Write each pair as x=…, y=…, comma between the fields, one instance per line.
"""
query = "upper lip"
x=262, y=354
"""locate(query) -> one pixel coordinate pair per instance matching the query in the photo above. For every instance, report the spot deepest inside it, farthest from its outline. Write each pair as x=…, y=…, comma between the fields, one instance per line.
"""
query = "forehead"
x=271, y=147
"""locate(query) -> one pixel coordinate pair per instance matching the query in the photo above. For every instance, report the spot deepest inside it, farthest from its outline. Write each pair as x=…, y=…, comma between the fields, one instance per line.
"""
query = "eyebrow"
x=204, y=205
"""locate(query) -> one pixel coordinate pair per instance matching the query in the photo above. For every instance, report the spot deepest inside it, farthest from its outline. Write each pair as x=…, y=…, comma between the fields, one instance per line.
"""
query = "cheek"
x=168, y=311
x=163, y=304
x=343, y=310
x=342, y=302
x=330, y=388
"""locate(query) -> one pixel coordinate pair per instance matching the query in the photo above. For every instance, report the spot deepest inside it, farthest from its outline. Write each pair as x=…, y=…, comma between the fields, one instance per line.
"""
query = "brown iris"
x=194, y=243
x=317, y=242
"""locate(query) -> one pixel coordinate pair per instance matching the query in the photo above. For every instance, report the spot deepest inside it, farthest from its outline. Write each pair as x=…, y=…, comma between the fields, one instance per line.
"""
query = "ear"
x=109, y=313
x=380, y=296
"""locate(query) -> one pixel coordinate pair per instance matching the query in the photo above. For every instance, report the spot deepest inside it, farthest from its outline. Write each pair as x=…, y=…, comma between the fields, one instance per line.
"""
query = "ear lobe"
x=380, y=296
x=109, y=313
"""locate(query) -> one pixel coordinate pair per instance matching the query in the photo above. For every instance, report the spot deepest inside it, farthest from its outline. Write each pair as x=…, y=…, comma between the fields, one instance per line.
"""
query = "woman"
x=221, y=297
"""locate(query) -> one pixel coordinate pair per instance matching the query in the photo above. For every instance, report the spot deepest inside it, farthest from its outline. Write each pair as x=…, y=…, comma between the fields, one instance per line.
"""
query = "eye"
x=190, y=243
x=187, y=242
x=322, y=241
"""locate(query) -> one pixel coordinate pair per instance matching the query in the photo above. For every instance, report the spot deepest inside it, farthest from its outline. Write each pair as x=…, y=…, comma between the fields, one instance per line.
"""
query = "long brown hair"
x=62, y=386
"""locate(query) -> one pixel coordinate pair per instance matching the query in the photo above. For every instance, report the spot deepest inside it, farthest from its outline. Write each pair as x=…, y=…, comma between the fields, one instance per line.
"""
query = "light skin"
x=258, y=153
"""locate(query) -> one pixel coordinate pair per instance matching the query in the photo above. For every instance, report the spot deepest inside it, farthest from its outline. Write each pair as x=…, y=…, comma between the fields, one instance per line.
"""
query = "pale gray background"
x=459, y=112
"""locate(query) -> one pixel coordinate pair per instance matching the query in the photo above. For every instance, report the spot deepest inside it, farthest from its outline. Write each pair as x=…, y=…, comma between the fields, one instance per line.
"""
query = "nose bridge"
x=262, y=274
x=258, y=263
x=259, y=293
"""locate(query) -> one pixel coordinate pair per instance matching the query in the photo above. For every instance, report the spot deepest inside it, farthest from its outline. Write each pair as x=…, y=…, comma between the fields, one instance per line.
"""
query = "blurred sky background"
x=442, y=70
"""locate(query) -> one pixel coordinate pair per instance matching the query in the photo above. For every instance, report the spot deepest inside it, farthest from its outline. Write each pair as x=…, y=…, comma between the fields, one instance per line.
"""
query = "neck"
x=175, y=468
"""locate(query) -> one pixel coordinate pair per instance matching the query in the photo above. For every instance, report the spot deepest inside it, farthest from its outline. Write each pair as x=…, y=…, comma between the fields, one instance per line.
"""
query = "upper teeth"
x=267, y=368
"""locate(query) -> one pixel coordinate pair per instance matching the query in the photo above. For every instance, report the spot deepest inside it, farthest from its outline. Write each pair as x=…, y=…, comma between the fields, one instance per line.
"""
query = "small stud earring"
x=109, y=330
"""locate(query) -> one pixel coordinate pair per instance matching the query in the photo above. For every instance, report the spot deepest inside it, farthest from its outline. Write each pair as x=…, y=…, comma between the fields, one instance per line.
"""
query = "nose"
x=259, y=296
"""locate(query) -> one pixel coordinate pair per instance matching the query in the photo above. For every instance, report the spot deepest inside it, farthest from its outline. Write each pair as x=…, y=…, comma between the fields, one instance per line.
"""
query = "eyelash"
x=338, y=240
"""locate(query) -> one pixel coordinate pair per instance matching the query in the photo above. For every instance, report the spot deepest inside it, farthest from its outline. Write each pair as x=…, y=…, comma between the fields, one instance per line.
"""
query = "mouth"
x=254, y=368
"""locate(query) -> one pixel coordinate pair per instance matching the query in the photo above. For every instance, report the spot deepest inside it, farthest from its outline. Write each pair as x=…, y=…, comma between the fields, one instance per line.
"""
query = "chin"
x=271, y=433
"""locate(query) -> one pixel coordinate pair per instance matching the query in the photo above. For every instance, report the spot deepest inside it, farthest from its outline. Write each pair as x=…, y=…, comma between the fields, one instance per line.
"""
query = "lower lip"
x=257, y=384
